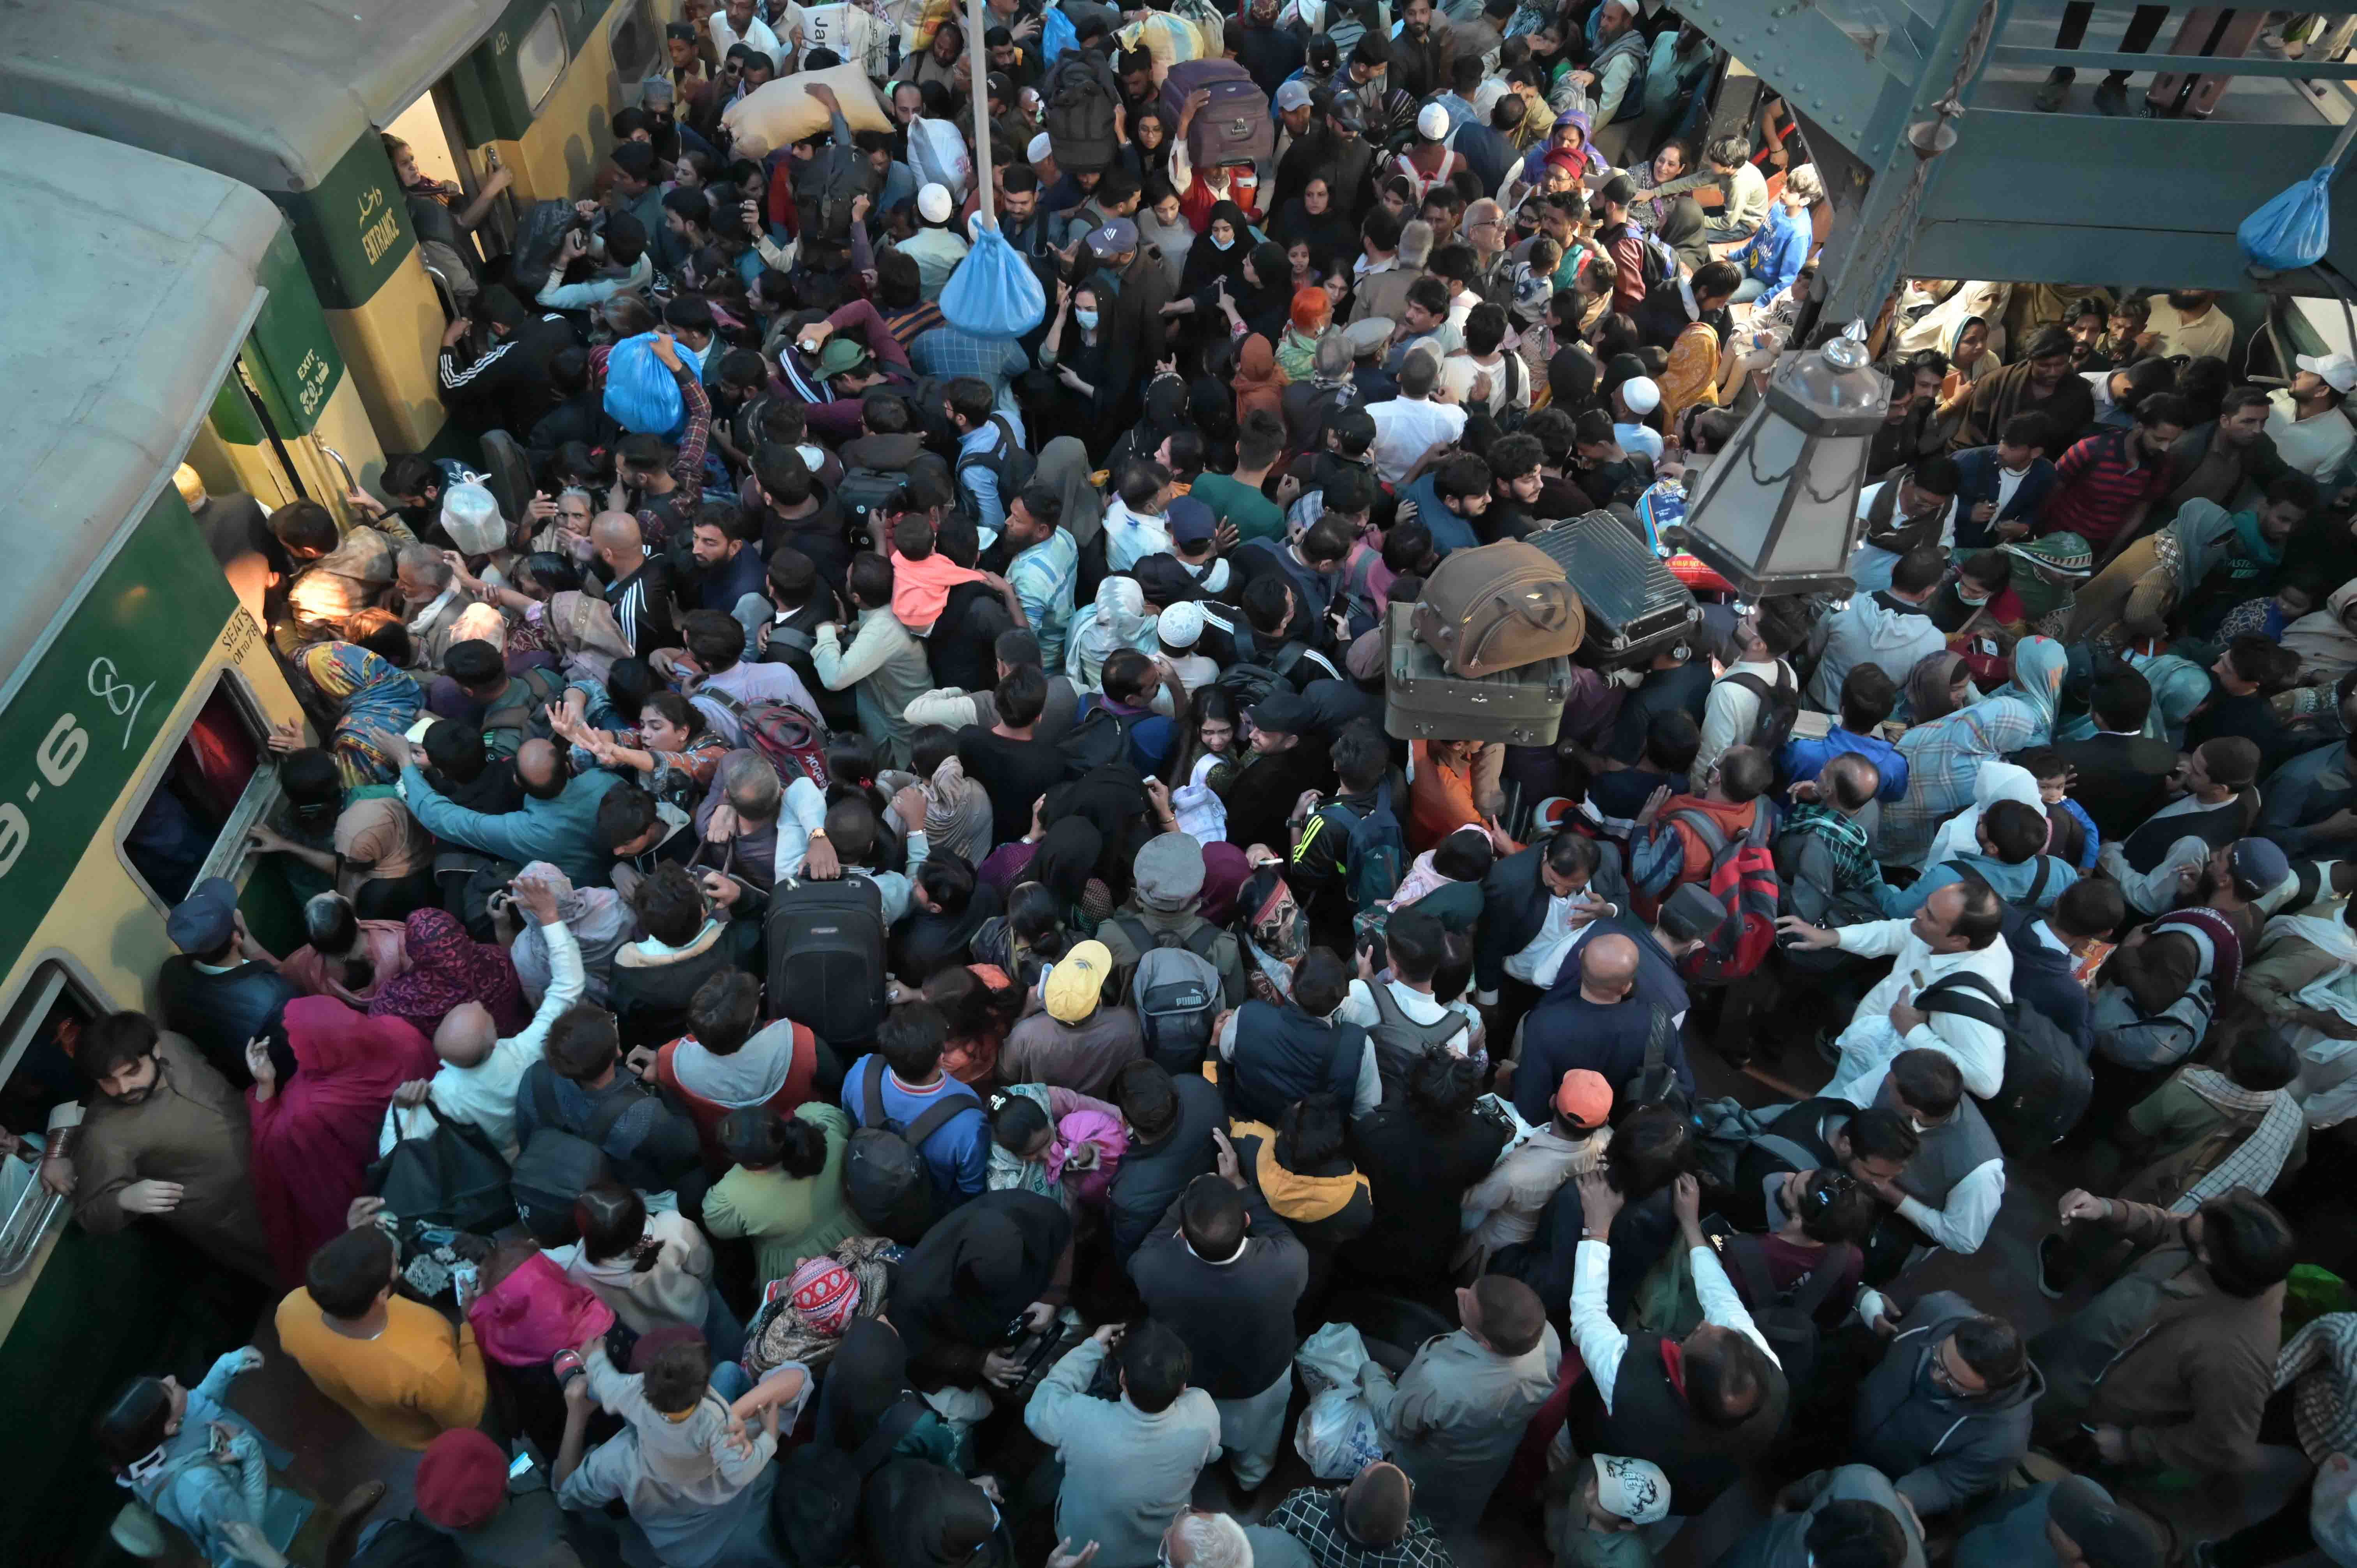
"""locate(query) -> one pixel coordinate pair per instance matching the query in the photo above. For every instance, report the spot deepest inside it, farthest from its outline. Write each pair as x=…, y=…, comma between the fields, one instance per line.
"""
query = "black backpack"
x=1787, y=1319
x=1780, y=706
x=1008, y=457
x=556, y=1166
x=884, y=1175
x=825, y=946
x=863, y=493
x=1080, y=104
x=824, y=189
x=1656, y=1082
x=454, y=1177
x=1099, y=739
x=2047, y=1082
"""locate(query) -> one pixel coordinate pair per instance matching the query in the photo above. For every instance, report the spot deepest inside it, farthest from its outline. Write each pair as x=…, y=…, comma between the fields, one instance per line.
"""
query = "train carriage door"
x=438, y=139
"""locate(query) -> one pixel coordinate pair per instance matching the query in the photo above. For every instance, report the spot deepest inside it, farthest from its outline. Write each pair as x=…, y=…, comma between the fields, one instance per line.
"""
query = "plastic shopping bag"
x=994, y=292
x=1337, y=1436
x=2293, y=230
x=639, y=391
x=1330, y=1358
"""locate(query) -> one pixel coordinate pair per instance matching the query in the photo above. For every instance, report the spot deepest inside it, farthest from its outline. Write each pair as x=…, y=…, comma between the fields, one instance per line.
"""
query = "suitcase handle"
x=1543, y=606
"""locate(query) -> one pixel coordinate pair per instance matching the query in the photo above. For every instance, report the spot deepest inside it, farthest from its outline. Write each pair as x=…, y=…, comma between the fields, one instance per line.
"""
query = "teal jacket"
x=563, y=832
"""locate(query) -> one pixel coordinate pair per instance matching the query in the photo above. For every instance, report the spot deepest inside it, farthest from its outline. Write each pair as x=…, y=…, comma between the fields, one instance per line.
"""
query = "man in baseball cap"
x=220, y=989
x=1075, y=1040
x=2305, y=420
x=1293, y=110
x=1113, y=241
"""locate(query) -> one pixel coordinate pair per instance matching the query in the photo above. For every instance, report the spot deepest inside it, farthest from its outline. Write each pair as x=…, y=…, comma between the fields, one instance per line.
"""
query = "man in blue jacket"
x=558, y=822
x=2000, y=489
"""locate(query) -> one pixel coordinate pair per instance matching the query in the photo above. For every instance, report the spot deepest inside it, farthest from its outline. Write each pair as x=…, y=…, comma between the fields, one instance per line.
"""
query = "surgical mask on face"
x=1087, y=318
x=1226, y=244
x=1973, y=598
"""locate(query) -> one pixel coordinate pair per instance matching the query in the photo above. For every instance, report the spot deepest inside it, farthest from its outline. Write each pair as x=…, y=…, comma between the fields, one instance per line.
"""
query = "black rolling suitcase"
x=1635, y=605
x=1422, y=701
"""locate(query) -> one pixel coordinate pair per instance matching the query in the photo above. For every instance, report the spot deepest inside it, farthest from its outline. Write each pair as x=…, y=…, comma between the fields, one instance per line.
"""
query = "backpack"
x=1375, y=857
x=863, y=493
x=884, y=1175
x=1656, y=1082
x=453, y=1176
x=1248, y=683
x=825, y=942
x=793, y=741
x=558, y=1166
x=1723, y=1128
x=538, y=240
x=1099, y=739
x=1780, y=705
x=1175, y=990
x=1787, y=1319
x=1079, y=113
x=1008, y=458
x=521, y=715
x=1743, y=879
x=407, y=1543
x=824, y=189
x=2047, y=1082
x=1400, y=1041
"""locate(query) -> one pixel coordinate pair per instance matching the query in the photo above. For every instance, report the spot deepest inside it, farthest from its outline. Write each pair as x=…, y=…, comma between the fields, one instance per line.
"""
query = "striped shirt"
x=1042, y=578
x=2320, y=1363
x=2100, y=483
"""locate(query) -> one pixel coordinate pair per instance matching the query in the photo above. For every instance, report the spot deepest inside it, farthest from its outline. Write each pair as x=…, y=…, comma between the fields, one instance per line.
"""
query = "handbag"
x=534, y=1312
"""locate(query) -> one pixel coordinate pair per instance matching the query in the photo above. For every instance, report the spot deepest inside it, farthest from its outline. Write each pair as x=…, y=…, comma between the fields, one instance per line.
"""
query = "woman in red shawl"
x=315, y=1135
x=445, y=968
x=1258, y=382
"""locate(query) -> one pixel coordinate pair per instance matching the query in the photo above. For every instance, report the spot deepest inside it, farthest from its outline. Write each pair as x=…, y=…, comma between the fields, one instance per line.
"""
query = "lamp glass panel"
x=1822, y=507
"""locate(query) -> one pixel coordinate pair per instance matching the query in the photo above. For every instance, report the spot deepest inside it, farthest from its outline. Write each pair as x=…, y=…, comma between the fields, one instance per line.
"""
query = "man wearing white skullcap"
x=937, y=248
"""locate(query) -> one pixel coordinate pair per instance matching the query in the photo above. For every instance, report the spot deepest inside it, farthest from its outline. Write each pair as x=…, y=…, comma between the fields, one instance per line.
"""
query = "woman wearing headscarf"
x=1297, y=352
x=998, y=1267
x=1167, y=413
x=919, y=1514
x=1227, y=239
x=1063, y=859
x=1682, y=232
x=369, y=693
x=1116, y=620
x=315, y=1135
x=1064, y=467
x=346, y=958
x=1259, y=380
x=1147, y=154
x=1945, y=756
x=1312, y=215
x=2057, y=567
x=445, y=968
x=1937, y=686
x=1997, y=781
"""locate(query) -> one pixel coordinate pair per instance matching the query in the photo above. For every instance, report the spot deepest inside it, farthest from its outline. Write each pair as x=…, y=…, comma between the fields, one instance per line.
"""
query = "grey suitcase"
x=1635, y=605
x=1422, y=701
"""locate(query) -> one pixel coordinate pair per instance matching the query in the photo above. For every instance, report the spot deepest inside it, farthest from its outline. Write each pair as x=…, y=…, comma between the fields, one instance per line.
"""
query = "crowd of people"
x=874, y=990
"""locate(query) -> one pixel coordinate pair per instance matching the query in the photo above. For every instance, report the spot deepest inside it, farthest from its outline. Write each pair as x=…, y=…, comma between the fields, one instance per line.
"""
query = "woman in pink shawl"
x=446, y=967
x=315, y=1135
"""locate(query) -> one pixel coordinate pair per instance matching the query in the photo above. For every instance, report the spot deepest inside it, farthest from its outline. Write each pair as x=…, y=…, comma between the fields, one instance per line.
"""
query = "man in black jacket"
x=1171, y=1122
x=1225, y=1273
x=1532, y=903
x=2123, y=772
x=222, y=988
x=2046, y=953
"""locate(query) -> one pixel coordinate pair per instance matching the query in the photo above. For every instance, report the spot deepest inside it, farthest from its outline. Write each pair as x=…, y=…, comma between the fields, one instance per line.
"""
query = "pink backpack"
x=535, y=1311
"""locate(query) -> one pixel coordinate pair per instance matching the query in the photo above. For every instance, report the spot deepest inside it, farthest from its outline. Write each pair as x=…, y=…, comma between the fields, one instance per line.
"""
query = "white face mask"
x=1973, y=598
x=1087, y=318
x=1220, y=244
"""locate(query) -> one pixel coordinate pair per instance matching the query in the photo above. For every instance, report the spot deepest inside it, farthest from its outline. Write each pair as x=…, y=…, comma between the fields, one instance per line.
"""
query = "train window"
x=540, y=58
x=36, y=1076
x=636, y=37
x=192, y=823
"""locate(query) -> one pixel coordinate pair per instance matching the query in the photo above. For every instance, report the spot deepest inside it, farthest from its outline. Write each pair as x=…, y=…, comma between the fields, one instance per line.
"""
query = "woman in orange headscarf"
x=1313, y=312
x=1258, y=382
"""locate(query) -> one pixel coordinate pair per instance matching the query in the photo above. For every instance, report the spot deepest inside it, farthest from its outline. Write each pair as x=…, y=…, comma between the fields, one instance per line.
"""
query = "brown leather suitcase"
x=1498, y=606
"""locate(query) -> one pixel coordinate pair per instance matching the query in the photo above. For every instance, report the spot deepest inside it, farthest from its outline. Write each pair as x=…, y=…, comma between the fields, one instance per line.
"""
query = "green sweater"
x=789, y=1217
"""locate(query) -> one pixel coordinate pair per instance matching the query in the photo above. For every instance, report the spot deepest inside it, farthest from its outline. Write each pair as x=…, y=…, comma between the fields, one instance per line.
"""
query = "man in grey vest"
x=1950, y=1190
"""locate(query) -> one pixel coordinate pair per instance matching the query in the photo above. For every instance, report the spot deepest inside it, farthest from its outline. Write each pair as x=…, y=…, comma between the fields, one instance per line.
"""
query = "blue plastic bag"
x=994, y=292
x=639, y=391
x=2293, y=230
x=1056, y=34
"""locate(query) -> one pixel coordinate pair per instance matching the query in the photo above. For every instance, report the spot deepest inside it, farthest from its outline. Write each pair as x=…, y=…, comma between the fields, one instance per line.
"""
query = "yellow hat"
x=1077, y=982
